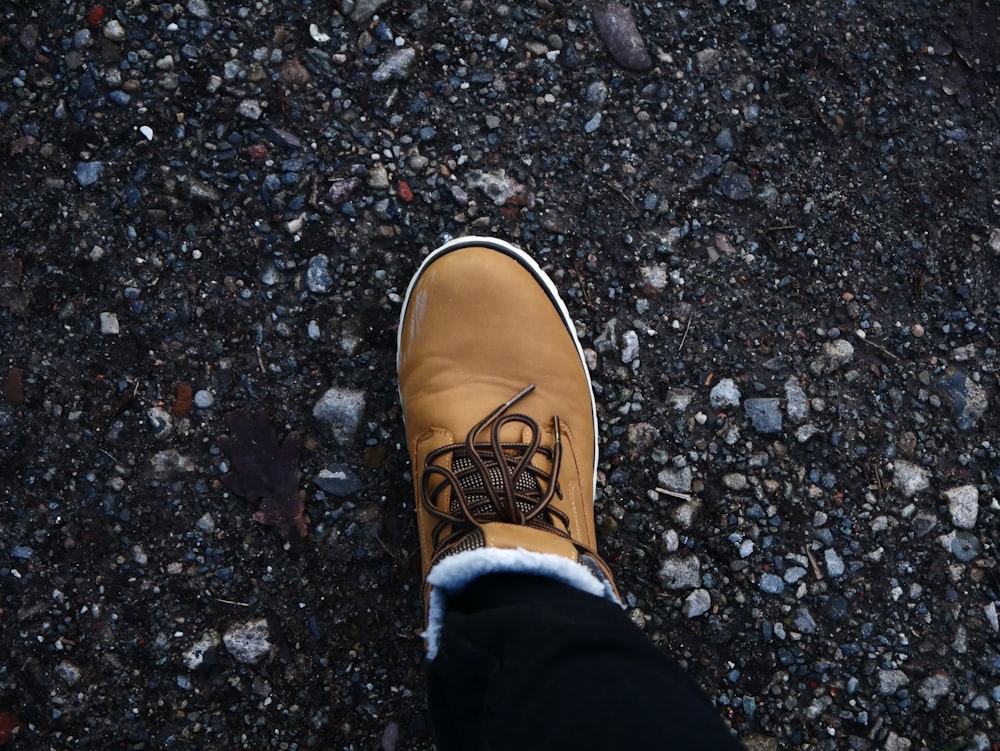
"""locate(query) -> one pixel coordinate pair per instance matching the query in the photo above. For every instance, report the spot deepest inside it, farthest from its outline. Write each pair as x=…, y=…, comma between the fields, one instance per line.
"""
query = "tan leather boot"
x=500, y=424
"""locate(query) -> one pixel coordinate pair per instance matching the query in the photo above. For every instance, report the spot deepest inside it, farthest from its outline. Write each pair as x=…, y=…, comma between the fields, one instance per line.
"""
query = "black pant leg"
x=528, y=663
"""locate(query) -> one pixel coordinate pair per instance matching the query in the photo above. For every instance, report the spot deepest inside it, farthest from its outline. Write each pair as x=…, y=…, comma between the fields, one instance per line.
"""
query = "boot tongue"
x=474, y=482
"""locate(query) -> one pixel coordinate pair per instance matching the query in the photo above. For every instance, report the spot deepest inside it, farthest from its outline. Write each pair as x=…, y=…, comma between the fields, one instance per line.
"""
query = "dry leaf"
x=265, y=471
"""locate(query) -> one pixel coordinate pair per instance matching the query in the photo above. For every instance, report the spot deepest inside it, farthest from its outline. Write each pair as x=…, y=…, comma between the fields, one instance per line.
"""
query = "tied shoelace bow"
x=495, y=481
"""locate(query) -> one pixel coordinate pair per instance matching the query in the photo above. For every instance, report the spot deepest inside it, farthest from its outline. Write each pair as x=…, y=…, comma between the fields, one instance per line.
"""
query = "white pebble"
x=697, y=603
x=114, y=31
x=248, y=642
x=963, y=503
x=109, y=324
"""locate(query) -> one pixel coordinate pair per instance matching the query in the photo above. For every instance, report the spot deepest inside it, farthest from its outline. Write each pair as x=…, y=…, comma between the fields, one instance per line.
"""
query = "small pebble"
x=88, y=173
x=697, y=603
x=771, y=584
x=725, y=394
x=764, y=414
x=109, y=324
x=909, y=479
x=616, y=27
x=206, y=523
x=318, y=278
x=341, y=409
x=114, y=31
x=630, y=346
x=736, y=187
x=248, y=642
x=680, y=572
x=203, y=399
x=834, y=563
x=397, y=65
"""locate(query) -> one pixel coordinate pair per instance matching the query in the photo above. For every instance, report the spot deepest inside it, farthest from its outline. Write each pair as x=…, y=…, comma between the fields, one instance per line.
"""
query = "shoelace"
x=494, y=481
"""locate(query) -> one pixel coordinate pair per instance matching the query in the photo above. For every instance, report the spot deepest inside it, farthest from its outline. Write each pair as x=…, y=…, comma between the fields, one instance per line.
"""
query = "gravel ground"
x=777, y=226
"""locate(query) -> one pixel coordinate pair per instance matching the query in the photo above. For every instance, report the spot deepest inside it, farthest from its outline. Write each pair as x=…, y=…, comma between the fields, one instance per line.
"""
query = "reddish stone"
x=404, y=192
x=183, y=398
x=9, y=723
x=13, y=386
x=258, y=151
x=95, y=15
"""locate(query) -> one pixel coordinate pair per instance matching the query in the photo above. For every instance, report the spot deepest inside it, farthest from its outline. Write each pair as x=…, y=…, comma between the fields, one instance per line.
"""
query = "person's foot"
x=500, y=424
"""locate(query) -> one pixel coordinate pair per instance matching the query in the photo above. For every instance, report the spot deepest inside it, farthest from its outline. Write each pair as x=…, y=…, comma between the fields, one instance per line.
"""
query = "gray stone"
x=697, y=603
x=161, y=421
x=794, y=574
x=736, y=186
x=248, y=642
x=338, y=481
x=378, y=178
x=202, y=191
x=250, y=109
x=833, y=355
x=965, y=546
x=677, y=480
x=593, y=123
x=909, y=479
x=963, y=504
x=796, y=403
x=735, y=481
x=616, y=27
x=88, y=173
x=630, y=346
x=318, y=278
x=114, y=31
x=497, y=185
x=804, y=432
x=834, y=563
x=680, y=572
x=968, y=398
x=169, y=463
x=890, y=681
x=203, y=399
x=341, y=409
x=934, y=688
x=199, y=9
x=109, y=324
x=397, y=65
x=206, y=523
x=803, y=622
x=896, y=742
x=725, y=394
x=764, y=414
x=771, y=584
x=69, y=672
x=195, y=656
x=365, y=9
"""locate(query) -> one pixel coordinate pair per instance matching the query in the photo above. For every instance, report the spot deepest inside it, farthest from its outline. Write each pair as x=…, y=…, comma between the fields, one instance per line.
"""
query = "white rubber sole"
x=529, y=263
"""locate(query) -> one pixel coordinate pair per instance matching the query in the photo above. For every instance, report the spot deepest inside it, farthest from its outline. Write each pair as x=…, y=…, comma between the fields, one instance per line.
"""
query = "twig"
x=615, y=187
x=686, y=330
x=779, y=227
x=815, y=566
x=260, y=361
x=233, y=602
x=883, y=350
x=674, y=494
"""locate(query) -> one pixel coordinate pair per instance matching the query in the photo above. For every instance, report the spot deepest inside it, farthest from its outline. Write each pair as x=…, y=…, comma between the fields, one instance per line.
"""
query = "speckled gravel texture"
x=779, y=237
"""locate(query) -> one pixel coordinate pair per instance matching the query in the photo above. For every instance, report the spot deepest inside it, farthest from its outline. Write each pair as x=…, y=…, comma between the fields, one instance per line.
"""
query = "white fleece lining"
x=453, y=574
